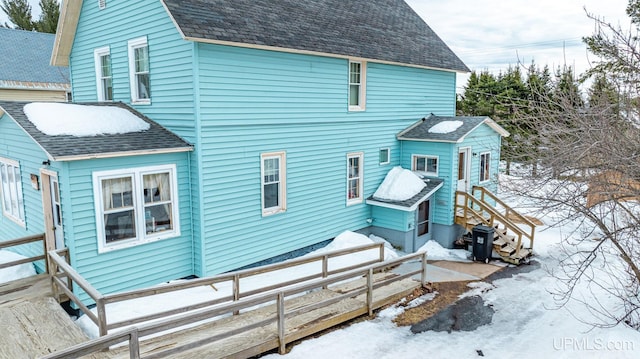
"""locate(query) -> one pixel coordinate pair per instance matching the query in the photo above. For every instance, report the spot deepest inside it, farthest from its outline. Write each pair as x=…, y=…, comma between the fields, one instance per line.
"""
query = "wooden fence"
x=132, y=335
x=60, y=269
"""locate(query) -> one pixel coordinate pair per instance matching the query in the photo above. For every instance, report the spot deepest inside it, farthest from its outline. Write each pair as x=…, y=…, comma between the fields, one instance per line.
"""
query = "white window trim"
x=388, y=155
x=363, y=87
x=133, y=86
x=426, y=173
x=488, y=175
x=20, y=221
x=358, y=199
x=97, y=54
x=137, y=194
x=282, y=192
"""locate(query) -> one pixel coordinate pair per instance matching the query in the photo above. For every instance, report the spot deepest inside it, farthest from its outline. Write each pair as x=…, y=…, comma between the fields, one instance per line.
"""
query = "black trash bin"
x=482, y=239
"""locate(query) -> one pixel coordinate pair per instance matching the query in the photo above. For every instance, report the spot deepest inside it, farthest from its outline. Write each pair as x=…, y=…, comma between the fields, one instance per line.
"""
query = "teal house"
x=208, y=135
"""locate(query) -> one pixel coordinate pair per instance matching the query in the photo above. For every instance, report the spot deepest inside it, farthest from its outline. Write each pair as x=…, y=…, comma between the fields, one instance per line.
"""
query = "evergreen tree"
x=19, y=13
x=48, y=21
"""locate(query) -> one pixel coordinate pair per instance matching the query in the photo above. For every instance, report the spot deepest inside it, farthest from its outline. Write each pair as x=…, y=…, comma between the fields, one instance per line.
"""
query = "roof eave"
x=66, y=32
x=309, y=52
x=120, y=154
x=427, y=140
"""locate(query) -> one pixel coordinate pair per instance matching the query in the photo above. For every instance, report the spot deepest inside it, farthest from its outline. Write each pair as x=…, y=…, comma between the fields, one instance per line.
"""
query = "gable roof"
x=419, y=131
x=156, y=139
x=432, y=185
x=378, y=30
x=25, y=61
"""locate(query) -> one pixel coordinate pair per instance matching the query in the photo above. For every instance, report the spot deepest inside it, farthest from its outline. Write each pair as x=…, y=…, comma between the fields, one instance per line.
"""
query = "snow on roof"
x=445, y=127
x=400, y=184
x=55, y=119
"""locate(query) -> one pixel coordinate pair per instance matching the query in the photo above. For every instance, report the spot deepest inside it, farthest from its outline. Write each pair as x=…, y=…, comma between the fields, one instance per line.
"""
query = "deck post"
x=134, y=344
x=281, y=339
x=325, y=269
x=236, y=291
x=370, y=291
x=381, y=252
x=102, y=317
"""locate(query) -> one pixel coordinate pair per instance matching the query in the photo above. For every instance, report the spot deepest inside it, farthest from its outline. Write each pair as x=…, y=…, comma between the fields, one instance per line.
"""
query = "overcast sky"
x=487, y=34
x=491, y=34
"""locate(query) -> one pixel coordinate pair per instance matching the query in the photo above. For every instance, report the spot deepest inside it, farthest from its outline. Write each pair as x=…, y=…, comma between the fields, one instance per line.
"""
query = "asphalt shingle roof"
x=26, y=55
x=387, y=30
x=432, y=184
x=420, y=130
x=155, y=139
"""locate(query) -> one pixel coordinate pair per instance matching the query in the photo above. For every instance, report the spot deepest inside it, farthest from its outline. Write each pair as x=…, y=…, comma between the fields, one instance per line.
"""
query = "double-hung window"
x=272, y=168
x=135, y=206
x=355, y=162
x=485, y=167
x=104, y=78
x=357, y=72
x=139, y=71
x=11, y=191
x=425, y=164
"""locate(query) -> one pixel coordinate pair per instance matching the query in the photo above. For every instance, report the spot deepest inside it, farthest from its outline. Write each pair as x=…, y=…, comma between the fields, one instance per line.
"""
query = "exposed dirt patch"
x=448, y=293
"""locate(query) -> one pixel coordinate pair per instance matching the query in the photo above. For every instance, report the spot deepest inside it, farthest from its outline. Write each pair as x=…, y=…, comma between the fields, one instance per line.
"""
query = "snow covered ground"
x=14, y=272
x=527, y=322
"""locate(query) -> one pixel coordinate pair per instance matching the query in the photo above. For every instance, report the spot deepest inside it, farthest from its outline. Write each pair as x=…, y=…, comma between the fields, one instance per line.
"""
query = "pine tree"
x=48, y=21
x=19, y=13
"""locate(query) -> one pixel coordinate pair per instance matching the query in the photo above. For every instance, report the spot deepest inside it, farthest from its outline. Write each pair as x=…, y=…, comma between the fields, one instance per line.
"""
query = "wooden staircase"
x=510, y=227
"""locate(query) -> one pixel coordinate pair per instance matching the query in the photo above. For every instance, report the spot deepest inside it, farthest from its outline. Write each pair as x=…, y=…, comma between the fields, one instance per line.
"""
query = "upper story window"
x=426, y=164
x=135, y=206
x=485, y=167
x=11, y=191
x=357, y=72
x=104, y=78
x=272, y=168
x=139, y=71
x=355, y=162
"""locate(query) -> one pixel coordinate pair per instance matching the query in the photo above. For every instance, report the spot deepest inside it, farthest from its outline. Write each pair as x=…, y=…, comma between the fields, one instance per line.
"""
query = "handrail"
x=494, y=215
x=508, y=210
x=60, y=268
x=132, y=335
x=21, y=241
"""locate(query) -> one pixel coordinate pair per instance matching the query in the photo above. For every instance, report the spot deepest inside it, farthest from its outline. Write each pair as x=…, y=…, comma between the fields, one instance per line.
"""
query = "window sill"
x=17, y=221
x=356, y=109
x=136, y=242
x=141, y=102
x=271, y=212
x=351, y=202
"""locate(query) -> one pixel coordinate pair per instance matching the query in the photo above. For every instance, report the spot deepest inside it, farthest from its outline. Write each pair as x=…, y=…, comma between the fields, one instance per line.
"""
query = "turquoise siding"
x=132, y=267
x=447, y=170
x=17, y=146
x=254, y=101
x=393, y=219
x=484, y=139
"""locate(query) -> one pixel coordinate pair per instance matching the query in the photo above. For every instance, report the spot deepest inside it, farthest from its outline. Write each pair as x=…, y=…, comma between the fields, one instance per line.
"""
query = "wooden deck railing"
x=278, y=295
x=101, y=300
x=509, y=212
x=21, y=241
x=475, y=208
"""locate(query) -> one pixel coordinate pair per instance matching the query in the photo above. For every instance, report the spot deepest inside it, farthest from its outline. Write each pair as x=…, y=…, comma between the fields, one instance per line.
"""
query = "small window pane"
x=120, y=226
x=271, y=195
x=432, y=165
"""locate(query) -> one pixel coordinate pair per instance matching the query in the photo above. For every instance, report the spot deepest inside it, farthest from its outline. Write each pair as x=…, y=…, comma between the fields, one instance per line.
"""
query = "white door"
x=56, y=208
x=464, y=168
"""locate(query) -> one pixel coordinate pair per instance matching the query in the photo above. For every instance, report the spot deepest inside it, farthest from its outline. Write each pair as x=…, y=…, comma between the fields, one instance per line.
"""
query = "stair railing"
x=470, y=203
x=509, y=211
